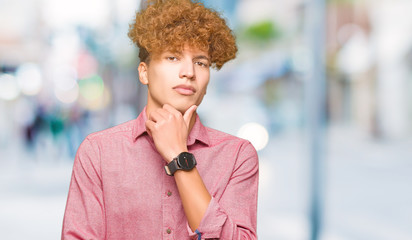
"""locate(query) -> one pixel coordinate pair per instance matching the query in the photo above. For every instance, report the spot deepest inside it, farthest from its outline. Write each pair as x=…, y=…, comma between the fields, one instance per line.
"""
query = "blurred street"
x=322, y=89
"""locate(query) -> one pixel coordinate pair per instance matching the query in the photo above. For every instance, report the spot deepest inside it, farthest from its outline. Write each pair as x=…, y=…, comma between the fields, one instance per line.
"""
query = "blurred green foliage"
x=264, y=31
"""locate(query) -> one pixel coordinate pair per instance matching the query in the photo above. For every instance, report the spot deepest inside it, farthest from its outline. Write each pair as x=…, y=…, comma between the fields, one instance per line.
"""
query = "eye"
x=171, y=58
x=202, y=64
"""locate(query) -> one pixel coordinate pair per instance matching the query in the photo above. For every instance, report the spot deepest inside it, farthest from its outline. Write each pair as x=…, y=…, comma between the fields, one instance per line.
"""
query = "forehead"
x=182, y=48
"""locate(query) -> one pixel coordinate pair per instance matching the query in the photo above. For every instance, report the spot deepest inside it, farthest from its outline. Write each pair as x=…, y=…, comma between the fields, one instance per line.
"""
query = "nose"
x=187, y=70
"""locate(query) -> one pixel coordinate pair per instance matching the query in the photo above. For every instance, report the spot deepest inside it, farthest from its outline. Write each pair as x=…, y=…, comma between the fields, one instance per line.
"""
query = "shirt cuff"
x=211, y=224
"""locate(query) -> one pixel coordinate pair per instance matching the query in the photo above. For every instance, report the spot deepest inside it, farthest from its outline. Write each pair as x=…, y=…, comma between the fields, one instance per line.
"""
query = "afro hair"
x=169, y=25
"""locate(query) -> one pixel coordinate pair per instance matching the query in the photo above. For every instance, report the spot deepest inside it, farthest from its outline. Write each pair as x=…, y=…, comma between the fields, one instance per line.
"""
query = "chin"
x=181, y=107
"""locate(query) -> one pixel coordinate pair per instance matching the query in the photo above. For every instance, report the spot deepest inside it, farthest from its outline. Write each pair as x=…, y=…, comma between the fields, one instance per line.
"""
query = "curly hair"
x=169, y=25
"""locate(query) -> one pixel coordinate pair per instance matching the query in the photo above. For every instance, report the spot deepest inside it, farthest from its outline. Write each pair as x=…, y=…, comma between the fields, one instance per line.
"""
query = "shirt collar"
x=199, y=131
x=139, y=128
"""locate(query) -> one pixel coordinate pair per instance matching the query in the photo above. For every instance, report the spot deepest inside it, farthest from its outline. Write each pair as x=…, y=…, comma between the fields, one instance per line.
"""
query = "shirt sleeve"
x=84, y=214
x=234, y=215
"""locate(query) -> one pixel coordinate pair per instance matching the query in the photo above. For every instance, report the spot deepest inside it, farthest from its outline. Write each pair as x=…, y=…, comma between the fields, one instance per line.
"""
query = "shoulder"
x=221, y=138
x=217, y=136
x=103, y=143
x=244, y=156
x=124, y=131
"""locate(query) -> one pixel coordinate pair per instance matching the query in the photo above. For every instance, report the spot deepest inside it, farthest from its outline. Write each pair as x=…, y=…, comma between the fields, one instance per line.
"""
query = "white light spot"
x=29, y=78
x=67, y=96
x=9, y=89
x=255, y=133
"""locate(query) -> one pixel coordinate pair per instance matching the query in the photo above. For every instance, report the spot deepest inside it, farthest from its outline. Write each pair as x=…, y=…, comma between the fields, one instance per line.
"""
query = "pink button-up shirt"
x=119, y=188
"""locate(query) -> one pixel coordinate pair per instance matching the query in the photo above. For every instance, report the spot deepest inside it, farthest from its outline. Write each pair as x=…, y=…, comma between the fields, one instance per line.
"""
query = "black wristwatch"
x=184, y=161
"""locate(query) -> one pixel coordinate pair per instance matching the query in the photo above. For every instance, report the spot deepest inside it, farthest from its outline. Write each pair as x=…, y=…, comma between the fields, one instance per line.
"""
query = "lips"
x=185, y=89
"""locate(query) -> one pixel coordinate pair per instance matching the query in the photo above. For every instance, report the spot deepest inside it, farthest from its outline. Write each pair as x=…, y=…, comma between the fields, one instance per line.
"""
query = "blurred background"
x=323, y=89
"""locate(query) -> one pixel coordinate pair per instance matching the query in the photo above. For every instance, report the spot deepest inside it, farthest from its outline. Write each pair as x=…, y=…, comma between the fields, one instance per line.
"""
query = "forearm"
x=194, y=196
x=221, y=222
x=232, y=211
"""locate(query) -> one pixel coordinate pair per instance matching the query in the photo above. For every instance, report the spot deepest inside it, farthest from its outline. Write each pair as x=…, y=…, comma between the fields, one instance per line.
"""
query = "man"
x=164, y=175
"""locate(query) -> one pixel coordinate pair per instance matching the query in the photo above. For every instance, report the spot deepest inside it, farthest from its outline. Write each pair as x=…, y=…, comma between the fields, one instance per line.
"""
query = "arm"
x=84, y=215
x=169, y=130
x=231, y=216
x=194, y=195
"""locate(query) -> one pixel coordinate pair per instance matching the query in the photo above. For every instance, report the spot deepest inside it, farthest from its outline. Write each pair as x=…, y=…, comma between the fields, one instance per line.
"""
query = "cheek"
x=202, y=93
x=203, y=79
x=156, y=78
x=205, y=85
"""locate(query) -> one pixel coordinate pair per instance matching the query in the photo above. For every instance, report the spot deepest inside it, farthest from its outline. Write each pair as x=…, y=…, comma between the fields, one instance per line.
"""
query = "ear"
x=143, y=68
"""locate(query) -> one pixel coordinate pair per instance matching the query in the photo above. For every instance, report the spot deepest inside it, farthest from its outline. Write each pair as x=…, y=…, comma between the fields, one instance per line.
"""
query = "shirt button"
x=169, y=193
x=169, y=231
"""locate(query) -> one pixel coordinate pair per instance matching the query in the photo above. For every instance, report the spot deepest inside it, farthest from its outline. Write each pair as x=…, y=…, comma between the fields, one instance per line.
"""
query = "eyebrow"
x=201, y=57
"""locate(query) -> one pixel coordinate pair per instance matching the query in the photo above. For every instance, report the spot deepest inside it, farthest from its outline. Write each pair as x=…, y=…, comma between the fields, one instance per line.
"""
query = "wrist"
x=174, y=154
x=184, y=161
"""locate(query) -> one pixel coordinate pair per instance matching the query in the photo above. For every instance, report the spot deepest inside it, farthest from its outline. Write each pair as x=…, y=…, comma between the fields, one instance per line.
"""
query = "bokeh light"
x=87, y=65
x=91, y=88
x=9, y=89
x=93, y=94
x=29, y=78
x=98, y=103
x=256, y=134
x=67, y=96
x=68, y=68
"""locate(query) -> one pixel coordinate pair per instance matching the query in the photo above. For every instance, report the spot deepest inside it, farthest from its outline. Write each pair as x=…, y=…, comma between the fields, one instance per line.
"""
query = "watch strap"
x=172, y=167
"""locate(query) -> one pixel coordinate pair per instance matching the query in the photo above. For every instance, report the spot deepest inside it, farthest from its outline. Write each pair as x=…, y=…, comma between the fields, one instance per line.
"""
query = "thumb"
x=188, y=114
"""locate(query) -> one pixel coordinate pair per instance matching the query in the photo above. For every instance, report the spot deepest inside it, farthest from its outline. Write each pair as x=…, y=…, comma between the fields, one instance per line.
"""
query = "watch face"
x=186, y=161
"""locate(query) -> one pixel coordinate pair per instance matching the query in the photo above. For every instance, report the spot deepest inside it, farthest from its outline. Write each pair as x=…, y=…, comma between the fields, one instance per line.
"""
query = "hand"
x=169, y=130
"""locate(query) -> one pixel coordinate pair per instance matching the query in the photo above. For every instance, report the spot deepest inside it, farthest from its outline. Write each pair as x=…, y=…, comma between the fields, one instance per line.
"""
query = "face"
x=178, y=79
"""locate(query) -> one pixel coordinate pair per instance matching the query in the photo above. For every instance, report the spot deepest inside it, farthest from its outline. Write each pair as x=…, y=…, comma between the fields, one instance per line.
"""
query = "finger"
x=188, y=114
x=156, y=116
x=149, y=126
x=163, y=113
x=149, y=132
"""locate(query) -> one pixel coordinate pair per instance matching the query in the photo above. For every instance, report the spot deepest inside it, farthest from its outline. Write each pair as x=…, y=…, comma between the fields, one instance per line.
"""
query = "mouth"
x=186, y=90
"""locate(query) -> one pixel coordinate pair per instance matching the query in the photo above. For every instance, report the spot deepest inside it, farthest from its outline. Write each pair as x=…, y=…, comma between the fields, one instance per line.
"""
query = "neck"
x=150, y=109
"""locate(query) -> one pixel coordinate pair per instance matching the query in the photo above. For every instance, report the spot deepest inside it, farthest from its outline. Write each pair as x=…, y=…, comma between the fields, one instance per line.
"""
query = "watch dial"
x=186, y=161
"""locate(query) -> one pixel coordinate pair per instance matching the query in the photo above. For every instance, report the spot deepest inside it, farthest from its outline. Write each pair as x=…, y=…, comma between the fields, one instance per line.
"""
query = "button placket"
x=168, y=205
